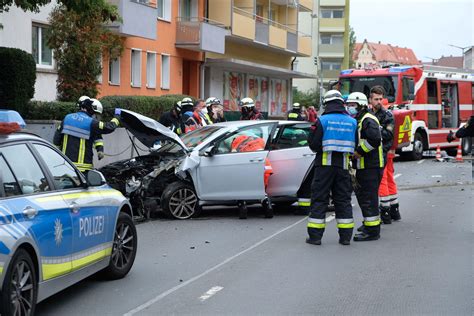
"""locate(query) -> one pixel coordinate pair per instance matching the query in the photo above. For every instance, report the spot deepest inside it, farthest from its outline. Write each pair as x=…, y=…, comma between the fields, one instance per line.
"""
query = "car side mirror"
x=411, y=97
x=95, y=178
x=209, y=151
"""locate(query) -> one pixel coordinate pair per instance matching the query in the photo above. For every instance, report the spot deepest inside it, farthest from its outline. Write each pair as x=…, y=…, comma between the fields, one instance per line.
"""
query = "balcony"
x=304, y=45
x=243, y=23
x=306, y=4
x=331, y=50
x=200, y=34
x=138, y=18
x=332, y=3
x=332, y=25
x=330, y=74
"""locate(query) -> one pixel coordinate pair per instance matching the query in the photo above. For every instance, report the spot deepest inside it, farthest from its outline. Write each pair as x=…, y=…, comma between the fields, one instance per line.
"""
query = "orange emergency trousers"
x=247, y=143
x=388, y=193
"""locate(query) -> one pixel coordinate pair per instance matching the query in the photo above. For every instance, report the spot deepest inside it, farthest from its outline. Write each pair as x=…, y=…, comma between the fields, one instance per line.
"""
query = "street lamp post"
x=462, y=48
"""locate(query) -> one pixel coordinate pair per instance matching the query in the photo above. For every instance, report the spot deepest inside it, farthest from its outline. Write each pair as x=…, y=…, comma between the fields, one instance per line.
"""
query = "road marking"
x=437, y=176
x=210, y=293
x=397, y=175
x=421, y=161
x=217, y=266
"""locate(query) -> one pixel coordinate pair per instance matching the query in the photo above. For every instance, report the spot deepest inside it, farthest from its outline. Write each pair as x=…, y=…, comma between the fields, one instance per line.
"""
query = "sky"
x=426, y=26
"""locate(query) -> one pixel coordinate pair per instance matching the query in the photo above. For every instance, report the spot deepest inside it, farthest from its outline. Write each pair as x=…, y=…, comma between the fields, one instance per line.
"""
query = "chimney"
x=380, y=43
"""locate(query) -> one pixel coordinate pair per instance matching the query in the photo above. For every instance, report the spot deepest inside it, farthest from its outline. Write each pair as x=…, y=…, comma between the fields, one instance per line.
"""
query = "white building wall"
x=16, y=33
x=469, y=59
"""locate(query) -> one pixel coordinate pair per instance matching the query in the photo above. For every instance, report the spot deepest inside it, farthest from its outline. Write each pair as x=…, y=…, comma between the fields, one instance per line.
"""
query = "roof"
x=449, y=61
x=388, y=53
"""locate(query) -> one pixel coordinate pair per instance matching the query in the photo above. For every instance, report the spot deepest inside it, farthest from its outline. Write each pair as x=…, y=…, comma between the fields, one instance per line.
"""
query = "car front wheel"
x=124, y=248
x=180, y=201
x=20, y=286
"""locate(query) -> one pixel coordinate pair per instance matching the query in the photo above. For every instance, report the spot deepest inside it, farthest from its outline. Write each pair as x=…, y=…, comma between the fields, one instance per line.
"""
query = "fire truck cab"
x=438, y=100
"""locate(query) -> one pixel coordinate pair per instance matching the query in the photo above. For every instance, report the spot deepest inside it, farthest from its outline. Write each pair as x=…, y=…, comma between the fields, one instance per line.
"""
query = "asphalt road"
x=217, y=264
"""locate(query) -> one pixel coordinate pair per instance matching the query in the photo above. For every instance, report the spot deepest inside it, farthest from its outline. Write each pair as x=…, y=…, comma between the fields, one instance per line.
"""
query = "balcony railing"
x=201, y=34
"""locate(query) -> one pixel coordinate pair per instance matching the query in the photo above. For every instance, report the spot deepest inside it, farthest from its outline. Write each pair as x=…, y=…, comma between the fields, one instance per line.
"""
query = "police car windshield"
x=191, y=139
x=364, y=84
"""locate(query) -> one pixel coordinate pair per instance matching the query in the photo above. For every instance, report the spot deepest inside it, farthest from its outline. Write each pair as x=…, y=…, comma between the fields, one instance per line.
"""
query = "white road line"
x=421, y=161
x=210, y=293
x=397, y=175
x=437, y=176
x=217, y=266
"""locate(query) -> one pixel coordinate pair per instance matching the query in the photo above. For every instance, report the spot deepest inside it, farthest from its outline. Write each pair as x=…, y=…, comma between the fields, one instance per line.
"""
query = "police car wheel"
x=179, y=201
x=124, y=248
x=20, y=286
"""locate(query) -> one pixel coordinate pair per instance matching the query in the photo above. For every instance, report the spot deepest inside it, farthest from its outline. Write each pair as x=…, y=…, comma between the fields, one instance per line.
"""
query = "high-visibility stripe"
x=327, y=158
x=372, y=221
x=381, y=162
x=345, y=220
x=316, y=220
x=82, y=151
x=98, y=143
x=365, y=145
x=1, y=270
x=65, y=138
x=116, y=121
x=315, y=225
x=341, y=225
x=101, y=125
x=78, y=195
x=52, y=270
x=362, y=162
x=338, y=142
x=304, y=202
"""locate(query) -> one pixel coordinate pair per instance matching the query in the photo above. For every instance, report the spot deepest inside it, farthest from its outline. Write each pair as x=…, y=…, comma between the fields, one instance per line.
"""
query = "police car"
x=56, y=226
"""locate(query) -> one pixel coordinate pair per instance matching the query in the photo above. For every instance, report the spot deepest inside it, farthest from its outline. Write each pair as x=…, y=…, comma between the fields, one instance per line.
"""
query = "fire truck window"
x=408, y=88
x=432, y=92
x=364, y=84
x=433, y=119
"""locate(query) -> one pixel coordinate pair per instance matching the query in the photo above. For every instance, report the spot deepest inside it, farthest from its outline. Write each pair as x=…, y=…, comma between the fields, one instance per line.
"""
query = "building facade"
x=468, y=61
x=377, y=55
x=334, y=32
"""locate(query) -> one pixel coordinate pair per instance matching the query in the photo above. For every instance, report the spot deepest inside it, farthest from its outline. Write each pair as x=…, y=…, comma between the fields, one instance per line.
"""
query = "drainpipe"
x=201, y=81
x=294, y=58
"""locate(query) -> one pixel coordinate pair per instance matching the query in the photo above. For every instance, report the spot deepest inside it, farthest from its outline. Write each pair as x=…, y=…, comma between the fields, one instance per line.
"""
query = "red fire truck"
x=438, y=100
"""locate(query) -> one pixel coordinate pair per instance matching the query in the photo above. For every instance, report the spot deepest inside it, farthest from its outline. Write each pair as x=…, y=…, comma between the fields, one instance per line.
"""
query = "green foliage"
x=149, y=106
x=79, y=39
x=352, y=41
x=17, y=78
x=306, y=98
x=25, y=5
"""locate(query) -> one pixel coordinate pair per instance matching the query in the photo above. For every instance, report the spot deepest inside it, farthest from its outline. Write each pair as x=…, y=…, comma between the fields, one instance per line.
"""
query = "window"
x=432, y=92
x=336, y=39
x=99, y=77
x=151, y=70
x=330, y=65
x=114, y=71
x=165, y=71
x=26, y=170
x=325, y=39
x=135, y=68
x=10, y=185
x=331, y=39
x=408, y=87
x=332, y=14
x=64, y=175
x=164, y=9
x=338, y=14
x=247, y=139
x=42, y=54
x=326, y=14
x=185, y=8
x=293, y=136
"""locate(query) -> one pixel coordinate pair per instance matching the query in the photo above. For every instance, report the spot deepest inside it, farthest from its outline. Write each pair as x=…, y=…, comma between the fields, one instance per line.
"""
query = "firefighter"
x=368, y=161
x=248, y=110
x=388, y=195
x=80, y=132
x=199, y=117
x=295, y=113
x=215, y=110
x=333, y=139
x=172, y=119
x=466, y=131
x=187, y=109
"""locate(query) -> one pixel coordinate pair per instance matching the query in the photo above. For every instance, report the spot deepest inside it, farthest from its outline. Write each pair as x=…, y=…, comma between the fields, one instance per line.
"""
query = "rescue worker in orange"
x=388, y=194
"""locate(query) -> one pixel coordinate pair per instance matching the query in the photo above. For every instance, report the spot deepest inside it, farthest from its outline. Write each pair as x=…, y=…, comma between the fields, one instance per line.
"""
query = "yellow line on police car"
x=1, y=270
x=78, y=195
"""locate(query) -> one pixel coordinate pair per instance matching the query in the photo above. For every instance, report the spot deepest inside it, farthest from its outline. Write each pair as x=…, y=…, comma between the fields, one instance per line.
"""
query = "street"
x=218, y=264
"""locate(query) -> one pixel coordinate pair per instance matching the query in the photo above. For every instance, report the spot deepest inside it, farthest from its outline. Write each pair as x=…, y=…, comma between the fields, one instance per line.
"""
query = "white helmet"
x=97, y=106
x=332, y=95
x=296, y=106
x=212, y=101
x=187, y=101
x=357, y=97
x=82, y=98
x=247, y=102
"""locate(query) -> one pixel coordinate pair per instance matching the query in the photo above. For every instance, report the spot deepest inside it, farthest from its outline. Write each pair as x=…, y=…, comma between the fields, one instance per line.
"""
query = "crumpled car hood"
x=147, y=130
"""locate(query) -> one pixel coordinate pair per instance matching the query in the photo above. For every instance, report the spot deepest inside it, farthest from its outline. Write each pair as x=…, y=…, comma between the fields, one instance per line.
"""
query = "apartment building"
x=256, y=42
x=334, y=31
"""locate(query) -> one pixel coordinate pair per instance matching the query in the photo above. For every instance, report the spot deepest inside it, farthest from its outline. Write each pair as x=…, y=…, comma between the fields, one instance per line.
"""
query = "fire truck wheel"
x=417, y=152
x=466, y=145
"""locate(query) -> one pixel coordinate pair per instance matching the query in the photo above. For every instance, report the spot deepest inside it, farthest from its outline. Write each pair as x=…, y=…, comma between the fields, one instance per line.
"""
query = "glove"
x=117, y=111
x=100, y=155
x=355, y=184
x=450, y=137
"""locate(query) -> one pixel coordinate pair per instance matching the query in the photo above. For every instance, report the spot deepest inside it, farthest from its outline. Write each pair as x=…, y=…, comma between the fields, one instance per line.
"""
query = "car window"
x=292, y=137
x=64, y=174
x=26, y=170
x=10, y=185
x=191, y=139
x=248, y=139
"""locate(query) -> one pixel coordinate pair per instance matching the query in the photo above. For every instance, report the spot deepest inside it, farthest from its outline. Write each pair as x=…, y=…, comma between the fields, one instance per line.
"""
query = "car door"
x=290, y=158
x=234, y=175
x=88, y=209
x=39, y=211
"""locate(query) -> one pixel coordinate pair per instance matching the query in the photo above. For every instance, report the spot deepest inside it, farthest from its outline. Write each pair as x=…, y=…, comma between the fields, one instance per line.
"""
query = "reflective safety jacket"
x=295, y=115
x=333, y=137
x=78, y=134
x=174, y=123
x=369, y=142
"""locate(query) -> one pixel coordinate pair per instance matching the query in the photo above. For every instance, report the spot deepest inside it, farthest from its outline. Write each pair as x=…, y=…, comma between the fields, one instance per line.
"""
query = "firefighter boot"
x=242, y=210
x=365, y=237
x=268, y=208
x=394, y=212
x=315, y=236
x=385, y=215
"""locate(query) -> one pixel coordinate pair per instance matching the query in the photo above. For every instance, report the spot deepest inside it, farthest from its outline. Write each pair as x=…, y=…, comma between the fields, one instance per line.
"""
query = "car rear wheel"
x=180, y=201
x=20, y=286
x=124, y=248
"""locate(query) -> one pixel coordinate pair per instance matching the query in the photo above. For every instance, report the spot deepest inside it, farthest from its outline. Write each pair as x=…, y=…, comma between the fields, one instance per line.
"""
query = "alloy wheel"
x=182, y=203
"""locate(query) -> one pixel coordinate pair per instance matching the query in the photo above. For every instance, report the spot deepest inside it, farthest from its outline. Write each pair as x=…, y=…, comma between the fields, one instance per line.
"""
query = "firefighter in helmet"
x=368, y=161
x=172, y=119
x=248, y=110
x=295, y=113
x=82, y=131
x=333, y=139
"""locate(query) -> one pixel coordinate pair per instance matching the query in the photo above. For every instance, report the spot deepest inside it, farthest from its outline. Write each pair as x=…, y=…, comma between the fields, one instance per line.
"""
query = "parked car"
x=56, y=226
x=202, y=168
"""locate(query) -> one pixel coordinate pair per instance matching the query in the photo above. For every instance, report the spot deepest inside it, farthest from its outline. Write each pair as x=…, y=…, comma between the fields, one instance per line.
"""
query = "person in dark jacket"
x=388, y=192
x=215, y=110
x=248, y=110
x=172, y=119
x=333, y=139
x=80, y=132
x=368, y=161
x=466, y=131
x=295, y=113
